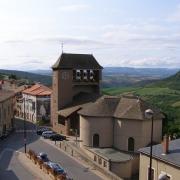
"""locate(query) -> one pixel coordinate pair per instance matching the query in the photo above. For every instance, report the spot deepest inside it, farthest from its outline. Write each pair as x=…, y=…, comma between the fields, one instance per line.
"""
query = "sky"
x=126, y=33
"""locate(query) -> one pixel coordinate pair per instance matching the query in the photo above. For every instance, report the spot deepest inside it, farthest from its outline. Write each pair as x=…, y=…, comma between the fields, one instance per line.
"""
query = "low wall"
x=74, y=151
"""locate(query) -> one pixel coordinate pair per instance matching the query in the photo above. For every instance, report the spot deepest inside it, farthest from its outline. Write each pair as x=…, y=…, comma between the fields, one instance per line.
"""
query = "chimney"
x=165, y=144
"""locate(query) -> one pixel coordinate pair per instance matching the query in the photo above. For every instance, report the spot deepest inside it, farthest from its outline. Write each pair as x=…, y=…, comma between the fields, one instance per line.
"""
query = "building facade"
x=165, y=162
x=6, y=111
x=114, y=128
x=34, y=103
x=73, y=75
x=119, y=122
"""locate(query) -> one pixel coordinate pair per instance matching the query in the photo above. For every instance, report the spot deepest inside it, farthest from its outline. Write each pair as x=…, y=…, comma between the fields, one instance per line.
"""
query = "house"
x=6, y=111
x=165, y=161
x=113, y=129
x=34, y=103
x=76, y=81
x=13, y=85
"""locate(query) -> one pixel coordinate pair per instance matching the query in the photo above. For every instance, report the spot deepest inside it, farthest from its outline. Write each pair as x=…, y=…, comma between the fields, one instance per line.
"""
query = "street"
x=11, y=169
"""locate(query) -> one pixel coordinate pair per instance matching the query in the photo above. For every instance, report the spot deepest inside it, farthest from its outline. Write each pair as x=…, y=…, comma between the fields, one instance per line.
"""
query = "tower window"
x=78, y=75
x=85, y=75
x=91, y=75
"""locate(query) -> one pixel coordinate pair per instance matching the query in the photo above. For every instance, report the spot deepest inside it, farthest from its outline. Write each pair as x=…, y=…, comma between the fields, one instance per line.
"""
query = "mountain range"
x=111, y=76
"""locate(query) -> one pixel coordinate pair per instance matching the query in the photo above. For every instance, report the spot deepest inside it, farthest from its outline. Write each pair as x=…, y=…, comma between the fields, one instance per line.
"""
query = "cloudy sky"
x=134, y=33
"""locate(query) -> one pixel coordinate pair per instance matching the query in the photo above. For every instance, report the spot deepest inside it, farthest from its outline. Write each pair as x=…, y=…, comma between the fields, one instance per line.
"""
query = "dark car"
x=41, y=130
x=56, y=167
x=57, y=137
x=43, y=156
x=4, y=135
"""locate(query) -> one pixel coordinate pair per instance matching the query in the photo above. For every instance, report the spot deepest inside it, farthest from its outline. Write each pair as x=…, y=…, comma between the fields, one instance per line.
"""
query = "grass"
x=118, y=91
x=176, y=104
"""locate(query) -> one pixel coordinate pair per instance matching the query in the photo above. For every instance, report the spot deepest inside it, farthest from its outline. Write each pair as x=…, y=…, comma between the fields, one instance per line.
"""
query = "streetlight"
x=21, y=101
x=24, y=127
x=149, y=115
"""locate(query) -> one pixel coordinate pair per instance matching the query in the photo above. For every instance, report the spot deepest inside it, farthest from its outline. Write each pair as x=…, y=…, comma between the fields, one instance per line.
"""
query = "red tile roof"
x=38, y=90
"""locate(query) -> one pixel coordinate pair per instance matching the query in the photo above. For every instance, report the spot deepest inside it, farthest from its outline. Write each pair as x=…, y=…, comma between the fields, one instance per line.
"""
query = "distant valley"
x=126, y=76
x=112, y=76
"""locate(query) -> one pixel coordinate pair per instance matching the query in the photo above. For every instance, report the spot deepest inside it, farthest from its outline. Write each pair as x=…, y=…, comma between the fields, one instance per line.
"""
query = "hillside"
x=164, y=94
x=173, y=82
x=44, y=79
x=126, y=76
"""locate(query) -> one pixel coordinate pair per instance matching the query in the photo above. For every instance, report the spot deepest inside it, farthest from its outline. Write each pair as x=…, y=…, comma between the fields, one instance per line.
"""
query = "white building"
x=36, y=101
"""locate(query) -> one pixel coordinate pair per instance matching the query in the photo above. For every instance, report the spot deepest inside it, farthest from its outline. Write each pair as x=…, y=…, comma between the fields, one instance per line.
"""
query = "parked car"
x=41, y=130
x=48, y=134
x=43, y=156
x=57, y=137
x=56, y=167
x=4, y=135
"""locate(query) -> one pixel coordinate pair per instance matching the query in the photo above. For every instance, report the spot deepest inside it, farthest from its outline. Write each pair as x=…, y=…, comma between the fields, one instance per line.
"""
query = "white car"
x=48, y=134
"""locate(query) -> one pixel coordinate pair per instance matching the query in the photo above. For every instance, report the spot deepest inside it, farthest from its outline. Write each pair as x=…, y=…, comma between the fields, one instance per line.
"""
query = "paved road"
x=12, y=169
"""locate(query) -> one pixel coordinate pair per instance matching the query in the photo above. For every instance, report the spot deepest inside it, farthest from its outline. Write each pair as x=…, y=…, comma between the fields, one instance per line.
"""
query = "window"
x=61, y=120
x=99, y=160
x=78, y=75
x=65, y=75
x=96, y=140
x=152, y=173
x=95, y=158
x=131, y=144
x=85, y=74
x=91, y=76
x=33, y=106
x=105, y=164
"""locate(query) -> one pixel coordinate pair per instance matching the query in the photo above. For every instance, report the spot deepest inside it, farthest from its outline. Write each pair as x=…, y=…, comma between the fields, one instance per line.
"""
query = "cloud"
x=153, y=62
x=175, y=16
x=74, y=8
x=66, y=40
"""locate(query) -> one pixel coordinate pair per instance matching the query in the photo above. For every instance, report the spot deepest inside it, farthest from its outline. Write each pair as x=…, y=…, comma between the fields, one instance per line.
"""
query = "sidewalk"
x=34, y=169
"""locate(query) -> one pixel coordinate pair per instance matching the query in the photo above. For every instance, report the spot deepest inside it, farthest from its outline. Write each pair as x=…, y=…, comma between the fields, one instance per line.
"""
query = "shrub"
x=31, y=153
x=40, y=163
x=60, y=177
x=34, y=157
x=46, y=168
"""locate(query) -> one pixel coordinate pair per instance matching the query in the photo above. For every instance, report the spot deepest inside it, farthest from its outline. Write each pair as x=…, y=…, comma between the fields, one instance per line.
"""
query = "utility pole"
x=24, y=127
x=149, y=114
x=22, y=100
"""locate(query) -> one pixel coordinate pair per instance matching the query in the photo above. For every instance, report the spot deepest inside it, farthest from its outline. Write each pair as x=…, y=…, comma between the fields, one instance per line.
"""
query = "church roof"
x=76, y=61
x=80, y=101
x=125, y=107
